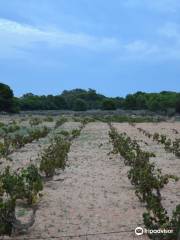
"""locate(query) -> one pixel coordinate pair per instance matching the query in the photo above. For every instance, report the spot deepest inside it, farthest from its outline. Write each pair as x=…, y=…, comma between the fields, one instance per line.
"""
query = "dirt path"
x=92, y=196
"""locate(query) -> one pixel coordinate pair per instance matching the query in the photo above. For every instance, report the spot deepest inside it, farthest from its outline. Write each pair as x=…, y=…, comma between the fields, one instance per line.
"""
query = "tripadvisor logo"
x=140, y=231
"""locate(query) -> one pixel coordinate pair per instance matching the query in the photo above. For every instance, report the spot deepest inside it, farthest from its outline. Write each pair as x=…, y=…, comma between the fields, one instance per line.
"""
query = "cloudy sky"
x=116, y=47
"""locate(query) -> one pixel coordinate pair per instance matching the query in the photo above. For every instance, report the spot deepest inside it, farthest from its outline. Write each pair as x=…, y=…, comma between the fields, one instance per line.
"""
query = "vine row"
x=148, y=182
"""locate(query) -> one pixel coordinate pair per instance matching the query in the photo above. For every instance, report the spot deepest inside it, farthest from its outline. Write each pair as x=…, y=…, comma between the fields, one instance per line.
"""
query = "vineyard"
x=81, y=177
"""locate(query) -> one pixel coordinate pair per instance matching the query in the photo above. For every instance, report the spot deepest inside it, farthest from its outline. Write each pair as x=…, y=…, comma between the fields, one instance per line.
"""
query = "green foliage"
x=64, y=133
x=60, y=122
x=18, y=139
x=33, y=183
x=47, y=163
x=92, y=99
x=162, y=102
x=81, y=100
x=177, y=104
x=86, y=120
x=35, y=121
x=79, y=105
x=108, y=104
x=2, y=124
x=148, y=182
x=125, y=118
x=48, y=119
x=6, y=98
x=7, y=212
x=8, y=128
x=5, y=147
x=169, y=145
x=24, y=185
x=75, y=133
x=54, y=156
x=30, y=101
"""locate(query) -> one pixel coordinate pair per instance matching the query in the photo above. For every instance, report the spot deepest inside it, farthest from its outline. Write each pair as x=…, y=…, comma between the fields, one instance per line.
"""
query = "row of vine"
x=148, y=182
x=169, y=144
x=25, y=184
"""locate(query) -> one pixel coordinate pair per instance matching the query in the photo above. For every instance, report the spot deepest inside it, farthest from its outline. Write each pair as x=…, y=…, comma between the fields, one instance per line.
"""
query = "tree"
x=130, y=101
x=60, y=102
x=178, y=104
x=108, y=104
x=79, y=105
x=6, y=98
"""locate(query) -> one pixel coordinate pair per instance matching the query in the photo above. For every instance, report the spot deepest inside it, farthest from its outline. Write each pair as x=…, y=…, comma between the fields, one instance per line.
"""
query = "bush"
x=13, y=186
x=33, y=183
x=7, y=213
x=54, y=156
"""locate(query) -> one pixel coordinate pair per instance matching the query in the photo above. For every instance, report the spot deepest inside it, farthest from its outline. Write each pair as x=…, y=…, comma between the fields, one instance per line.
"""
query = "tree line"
x=82, y=100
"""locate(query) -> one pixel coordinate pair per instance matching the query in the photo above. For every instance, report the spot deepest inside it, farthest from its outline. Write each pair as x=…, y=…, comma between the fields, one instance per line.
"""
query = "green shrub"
x=24, y=185
x=54, y=156
x=64, y=133
x=60, y=122
x=33, y=183
x=5, y=148
x=35, y=121
x=86, y=120
x=1, y=124
x=7, y=213
x=48, y=119
x=75, y=133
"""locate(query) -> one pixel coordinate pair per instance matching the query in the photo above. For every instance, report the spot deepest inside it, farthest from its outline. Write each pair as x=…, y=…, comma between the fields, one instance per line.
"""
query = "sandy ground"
x=168, y=162
x=92, y=199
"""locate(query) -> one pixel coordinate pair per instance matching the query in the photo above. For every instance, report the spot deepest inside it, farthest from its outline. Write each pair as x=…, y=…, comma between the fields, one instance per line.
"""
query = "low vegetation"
x=35, y=121
x=16, y=140
x=169, y=145
x=24, y=185
x=60, y=122
x=54, y=156
x=148, y=182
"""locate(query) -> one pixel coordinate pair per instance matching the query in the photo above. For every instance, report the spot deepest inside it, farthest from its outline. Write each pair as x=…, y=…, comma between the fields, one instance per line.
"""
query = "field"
x=89, y=195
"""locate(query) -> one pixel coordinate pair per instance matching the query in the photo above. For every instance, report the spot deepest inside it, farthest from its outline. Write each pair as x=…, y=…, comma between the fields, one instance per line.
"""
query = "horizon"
x=114, y=47
x=92, y=89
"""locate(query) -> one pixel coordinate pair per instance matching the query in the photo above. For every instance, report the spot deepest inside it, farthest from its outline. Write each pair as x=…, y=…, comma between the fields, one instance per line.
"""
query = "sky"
x=116, y=47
